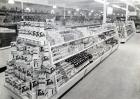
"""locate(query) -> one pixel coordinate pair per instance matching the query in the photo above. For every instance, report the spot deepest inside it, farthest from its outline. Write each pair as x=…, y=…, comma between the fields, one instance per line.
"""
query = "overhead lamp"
x=107, y=3
x=118, y=14
x=123, y=8
x=91, y=11
x=101, y=1
x=28, y=9
x=54, y=6
x=69, y=12
x=89, y=14
x=123, y=0
x=52, y=11
x=11, y=1
x=109, y=10
x=75, y=13
x=116, y=6
x=77, y=9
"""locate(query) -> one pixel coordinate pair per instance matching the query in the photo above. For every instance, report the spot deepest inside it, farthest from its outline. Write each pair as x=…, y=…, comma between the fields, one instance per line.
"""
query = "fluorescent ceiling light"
x=69, y=12
x=101, y=1
x=91, y=11
x=116, y=6
x=52, y=11
x=54, y=6
x=11, y=1
x=109, y=10
x=123, y=8
x=28, y=9
x=107, y=3
x=77, y=9
x=124, y=0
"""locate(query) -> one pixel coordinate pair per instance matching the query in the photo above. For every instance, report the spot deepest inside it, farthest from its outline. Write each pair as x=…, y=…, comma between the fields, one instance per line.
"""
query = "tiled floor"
x=118, y=77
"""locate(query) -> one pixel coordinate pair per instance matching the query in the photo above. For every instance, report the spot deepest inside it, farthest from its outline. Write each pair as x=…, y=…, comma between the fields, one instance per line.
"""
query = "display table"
x=46, y=63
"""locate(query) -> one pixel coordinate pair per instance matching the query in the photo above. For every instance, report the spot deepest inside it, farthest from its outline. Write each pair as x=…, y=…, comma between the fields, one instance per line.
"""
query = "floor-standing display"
x=125, y=30
x=46, y=62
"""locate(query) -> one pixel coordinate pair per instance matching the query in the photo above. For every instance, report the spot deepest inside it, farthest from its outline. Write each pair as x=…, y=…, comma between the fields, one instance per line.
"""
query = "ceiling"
x=83, y=4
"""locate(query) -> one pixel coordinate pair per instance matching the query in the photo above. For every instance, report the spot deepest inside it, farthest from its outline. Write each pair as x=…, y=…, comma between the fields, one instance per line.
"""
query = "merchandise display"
x=44, y=66
x=125, y=30
x=48, y=47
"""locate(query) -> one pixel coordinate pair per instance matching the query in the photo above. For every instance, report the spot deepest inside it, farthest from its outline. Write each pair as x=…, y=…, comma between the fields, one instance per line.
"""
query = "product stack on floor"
x=46, y=66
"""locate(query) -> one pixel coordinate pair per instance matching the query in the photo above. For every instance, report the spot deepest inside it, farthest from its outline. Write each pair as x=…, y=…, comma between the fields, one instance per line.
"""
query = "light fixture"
x=11, y=1
x=75, y=13
x=28, y=9
x=123, y=8
x=52, y=12
x=101, y=1
x=116, y=6
x=118, y=14
x=109, y=10
x=123, y=0
x=77, y=9
x=69, y=12
x=54, y=6
x=91, y=11
x=107, y=3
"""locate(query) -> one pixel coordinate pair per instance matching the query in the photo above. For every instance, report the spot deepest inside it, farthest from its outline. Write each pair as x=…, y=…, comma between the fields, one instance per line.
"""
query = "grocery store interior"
x=69, y=49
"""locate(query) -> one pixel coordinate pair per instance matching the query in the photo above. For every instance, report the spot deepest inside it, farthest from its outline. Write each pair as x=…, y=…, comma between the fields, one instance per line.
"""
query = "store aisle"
x=118, y=77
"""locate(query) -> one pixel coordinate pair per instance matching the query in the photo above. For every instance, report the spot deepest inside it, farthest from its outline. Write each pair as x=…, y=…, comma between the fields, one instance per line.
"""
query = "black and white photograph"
x=69, y=49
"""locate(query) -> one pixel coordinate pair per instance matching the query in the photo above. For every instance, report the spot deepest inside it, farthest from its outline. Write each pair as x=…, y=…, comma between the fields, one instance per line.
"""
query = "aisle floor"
x=118, y=77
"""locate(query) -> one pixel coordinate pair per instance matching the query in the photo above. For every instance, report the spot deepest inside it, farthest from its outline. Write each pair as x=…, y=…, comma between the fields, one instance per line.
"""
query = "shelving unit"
x=82, y=73
x=126, y=30
x=45, y=67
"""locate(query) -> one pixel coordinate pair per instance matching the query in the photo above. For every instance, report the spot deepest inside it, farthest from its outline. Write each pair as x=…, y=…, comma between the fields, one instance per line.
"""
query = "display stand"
x=125, y=30
x=45, y=67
